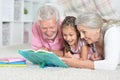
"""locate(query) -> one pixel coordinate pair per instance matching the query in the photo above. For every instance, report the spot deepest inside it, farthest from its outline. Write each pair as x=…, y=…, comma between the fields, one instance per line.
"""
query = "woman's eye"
x=64, y=35
x=83, y=32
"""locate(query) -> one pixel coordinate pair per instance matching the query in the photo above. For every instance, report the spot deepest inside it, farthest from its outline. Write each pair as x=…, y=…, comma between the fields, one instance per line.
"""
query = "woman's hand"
x=72, y=62
x=77, y=63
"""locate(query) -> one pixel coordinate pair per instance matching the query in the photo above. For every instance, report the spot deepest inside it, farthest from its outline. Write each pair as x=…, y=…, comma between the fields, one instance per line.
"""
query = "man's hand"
x=44, y=48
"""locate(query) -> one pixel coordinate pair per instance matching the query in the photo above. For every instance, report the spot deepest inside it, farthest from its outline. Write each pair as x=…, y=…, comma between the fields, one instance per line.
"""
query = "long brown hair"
x=69, y=21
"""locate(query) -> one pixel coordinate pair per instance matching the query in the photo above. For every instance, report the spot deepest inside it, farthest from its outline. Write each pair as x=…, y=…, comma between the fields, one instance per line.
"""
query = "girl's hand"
x=95, y=57
x=68, y=55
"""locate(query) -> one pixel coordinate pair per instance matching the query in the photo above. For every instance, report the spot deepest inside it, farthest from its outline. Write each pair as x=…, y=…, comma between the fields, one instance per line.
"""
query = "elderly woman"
x=104, y=39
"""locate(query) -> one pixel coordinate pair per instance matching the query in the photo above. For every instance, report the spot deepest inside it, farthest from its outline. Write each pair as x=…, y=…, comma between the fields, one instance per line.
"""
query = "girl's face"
x=70, y=35
x=90, y=35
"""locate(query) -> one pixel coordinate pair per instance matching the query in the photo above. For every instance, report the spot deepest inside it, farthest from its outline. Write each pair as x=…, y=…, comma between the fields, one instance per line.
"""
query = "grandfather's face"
x=90, y=35
x=49, y=28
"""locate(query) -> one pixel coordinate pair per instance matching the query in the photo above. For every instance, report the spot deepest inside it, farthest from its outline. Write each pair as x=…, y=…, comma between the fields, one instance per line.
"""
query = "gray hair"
x=109, y=23
x=89, y=19
x=47, y=12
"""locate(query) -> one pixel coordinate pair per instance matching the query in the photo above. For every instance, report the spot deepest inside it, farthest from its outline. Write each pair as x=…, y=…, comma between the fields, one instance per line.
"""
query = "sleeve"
x=111, y=50
x=36, y=42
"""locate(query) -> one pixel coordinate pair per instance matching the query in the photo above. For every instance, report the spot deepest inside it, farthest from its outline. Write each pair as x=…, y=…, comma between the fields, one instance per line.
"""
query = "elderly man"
x=46, y=32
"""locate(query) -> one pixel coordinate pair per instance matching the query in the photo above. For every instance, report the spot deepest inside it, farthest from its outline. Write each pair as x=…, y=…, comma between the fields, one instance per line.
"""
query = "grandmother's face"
x=49, y=28
x=90, y=35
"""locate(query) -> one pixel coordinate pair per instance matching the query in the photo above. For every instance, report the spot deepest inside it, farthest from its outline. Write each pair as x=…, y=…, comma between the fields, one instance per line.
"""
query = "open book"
x=42, y=57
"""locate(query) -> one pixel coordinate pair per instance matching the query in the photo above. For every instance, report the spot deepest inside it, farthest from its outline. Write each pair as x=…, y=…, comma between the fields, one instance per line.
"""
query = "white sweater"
x=112, y=50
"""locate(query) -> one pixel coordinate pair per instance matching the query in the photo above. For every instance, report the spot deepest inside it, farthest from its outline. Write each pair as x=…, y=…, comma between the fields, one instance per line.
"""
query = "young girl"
x=73, y=44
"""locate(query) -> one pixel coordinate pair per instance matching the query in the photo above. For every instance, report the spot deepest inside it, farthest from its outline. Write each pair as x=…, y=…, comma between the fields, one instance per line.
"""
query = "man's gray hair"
x=47, y=12
x=90, y=20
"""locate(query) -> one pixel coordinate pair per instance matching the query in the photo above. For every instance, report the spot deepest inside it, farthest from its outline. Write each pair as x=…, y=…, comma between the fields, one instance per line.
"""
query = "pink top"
x=38, y=40
x=77, y=52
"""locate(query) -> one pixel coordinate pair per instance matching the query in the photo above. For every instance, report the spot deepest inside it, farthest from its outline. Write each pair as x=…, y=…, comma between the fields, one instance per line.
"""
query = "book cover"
x=12, y=62
x=11, y=59
x=43, y=58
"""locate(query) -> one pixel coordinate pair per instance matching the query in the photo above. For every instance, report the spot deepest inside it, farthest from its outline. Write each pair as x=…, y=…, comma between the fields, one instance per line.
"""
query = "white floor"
x=34, y=72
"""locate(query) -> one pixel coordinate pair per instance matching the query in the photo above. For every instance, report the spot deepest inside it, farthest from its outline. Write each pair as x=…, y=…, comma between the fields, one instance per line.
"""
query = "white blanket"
x=34, y=72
